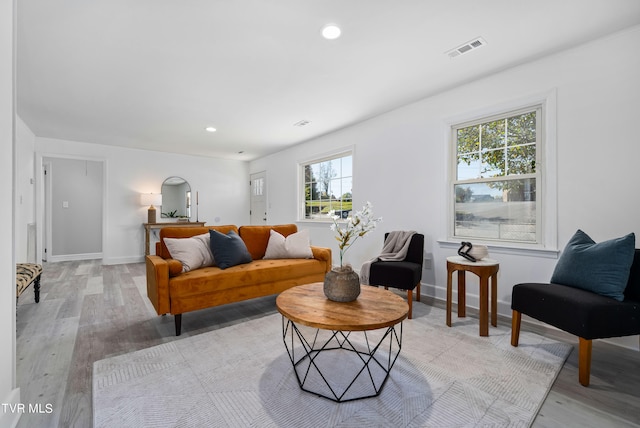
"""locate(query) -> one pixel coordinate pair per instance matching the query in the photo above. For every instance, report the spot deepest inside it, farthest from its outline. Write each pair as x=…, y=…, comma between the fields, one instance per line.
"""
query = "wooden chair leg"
x=410, y=301
x=516, y=318
x=418, y=291
x=584, y=361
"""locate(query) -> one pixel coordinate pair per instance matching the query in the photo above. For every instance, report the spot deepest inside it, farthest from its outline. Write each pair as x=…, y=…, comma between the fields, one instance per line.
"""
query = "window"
x=257, y=186
x=326, y=187
x=496, y=178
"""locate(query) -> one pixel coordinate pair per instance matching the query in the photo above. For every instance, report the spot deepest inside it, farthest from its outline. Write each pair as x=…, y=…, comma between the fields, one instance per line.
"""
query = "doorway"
x=73, y=191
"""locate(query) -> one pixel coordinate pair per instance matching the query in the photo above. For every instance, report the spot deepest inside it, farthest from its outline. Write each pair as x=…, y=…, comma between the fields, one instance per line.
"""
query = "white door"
x=258, y=182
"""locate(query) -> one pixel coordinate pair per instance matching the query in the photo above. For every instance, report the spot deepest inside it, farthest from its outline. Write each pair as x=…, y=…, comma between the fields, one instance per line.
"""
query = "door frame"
x=43, y=234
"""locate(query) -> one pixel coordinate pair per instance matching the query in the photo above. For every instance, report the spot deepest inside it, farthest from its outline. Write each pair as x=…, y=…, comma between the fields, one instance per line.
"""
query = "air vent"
x=303, y=122
x=467, y=47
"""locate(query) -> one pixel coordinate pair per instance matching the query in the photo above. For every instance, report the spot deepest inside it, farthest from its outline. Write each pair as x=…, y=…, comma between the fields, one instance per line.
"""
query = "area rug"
x=241, y=376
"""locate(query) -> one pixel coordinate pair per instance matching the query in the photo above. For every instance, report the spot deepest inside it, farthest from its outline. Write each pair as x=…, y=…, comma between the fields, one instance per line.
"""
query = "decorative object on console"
x=151, y=199
x=342, y=284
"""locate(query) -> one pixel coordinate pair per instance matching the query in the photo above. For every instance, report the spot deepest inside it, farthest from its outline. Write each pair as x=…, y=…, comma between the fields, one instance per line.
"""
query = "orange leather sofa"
x=174, y=292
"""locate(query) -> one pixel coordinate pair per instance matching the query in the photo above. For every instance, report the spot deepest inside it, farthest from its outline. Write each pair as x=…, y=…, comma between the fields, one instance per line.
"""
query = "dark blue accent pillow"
x=601, y=268
x=228, y=250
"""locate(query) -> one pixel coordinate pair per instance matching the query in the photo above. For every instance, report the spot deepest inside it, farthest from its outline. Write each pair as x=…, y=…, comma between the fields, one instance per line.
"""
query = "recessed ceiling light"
x=210, y=129
x=331, y=31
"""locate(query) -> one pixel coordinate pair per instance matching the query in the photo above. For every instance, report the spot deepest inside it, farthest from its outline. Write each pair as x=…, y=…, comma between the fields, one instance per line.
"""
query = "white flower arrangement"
x=358, y=225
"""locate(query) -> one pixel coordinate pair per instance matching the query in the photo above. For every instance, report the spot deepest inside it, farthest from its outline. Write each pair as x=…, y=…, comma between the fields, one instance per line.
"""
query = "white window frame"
x=546, y=175
x=301, y=180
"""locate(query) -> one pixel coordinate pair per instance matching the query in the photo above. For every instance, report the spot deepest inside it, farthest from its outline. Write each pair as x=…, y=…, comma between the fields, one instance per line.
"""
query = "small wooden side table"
x=485, y=269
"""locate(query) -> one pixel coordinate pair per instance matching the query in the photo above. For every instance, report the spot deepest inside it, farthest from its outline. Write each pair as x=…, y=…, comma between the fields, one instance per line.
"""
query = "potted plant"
x=342, y=284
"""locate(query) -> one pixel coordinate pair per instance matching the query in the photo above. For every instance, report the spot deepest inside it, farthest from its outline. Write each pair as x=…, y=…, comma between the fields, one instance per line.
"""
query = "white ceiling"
x=152, y=74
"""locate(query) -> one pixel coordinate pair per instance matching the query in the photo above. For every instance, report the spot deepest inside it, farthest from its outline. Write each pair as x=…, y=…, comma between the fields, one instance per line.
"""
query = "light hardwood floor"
x=88, y=312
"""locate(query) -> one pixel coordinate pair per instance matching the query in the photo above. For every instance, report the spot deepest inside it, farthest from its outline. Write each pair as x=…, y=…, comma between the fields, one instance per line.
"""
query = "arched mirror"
x=176, y=198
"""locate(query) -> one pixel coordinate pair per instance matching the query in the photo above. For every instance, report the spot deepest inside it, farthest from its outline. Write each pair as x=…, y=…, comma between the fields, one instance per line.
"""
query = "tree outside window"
x=328, y=187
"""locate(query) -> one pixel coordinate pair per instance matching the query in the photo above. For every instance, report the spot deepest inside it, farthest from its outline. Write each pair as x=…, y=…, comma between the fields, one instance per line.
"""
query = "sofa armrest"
x=323, y=254
x=158, y=284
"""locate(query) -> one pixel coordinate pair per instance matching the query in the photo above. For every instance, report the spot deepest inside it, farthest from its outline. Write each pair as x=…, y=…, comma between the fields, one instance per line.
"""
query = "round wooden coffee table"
x=341, y=351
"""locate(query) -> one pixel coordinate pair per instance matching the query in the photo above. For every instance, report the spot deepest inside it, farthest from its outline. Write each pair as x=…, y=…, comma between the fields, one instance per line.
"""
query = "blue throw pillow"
x=601, y=268
x=228, y=250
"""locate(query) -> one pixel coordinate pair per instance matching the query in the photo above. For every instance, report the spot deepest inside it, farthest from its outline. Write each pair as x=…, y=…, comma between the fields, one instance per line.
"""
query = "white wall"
x=9, y=394
x=400, y=159
x=25, y=187
x=222, y=186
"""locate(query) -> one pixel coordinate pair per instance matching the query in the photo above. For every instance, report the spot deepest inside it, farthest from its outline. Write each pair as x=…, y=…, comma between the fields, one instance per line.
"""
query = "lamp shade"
x=150, y=199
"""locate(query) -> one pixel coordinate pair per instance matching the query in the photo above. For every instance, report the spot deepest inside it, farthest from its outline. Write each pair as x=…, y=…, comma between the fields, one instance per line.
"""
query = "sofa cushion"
x=257, y=237
x=601, y=268
x=228, y=250
x=285, y=271
x=294, y=246
x=192, y=253
x=186, y=232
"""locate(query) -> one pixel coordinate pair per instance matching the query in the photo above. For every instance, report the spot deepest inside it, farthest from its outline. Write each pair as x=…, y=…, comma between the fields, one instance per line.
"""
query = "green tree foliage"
x=501, y=148
x=463, y=194
x=310, y=188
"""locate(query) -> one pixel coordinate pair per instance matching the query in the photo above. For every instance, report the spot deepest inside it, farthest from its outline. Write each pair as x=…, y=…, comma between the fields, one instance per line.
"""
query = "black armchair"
x=405, y=274
x=582, y=313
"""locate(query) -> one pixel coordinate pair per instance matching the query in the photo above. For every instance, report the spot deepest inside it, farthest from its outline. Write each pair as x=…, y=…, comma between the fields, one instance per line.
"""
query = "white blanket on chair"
x=395, y=248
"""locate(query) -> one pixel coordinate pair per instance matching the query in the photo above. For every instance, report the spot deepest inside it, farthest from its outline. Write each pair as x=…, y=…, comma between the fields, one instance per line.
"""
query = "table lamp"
x=151, y=199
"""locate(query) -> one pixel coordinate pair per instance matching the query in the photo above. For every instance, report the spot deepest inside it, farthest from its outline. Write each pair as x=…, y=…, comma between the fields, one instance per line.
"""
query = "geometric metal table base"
x=341, y=365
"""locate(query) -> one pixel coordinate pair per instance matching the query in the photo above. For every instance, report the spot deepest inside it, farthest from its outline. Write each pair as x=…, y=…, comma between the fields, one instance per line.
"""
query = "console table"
x=149, y=226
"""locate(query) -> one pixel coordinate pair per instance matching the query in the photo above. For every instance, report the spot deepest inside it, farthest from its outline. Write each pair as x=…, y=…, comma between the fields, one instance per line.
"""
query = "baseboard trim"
x=75, y=257
x=123, y=260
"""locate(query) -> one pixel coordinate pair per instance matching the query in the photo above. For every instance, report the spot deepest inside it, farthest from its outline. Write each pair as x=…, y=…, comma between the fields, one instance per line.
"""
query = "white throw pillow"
x=193, y=253
x=294, y=246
